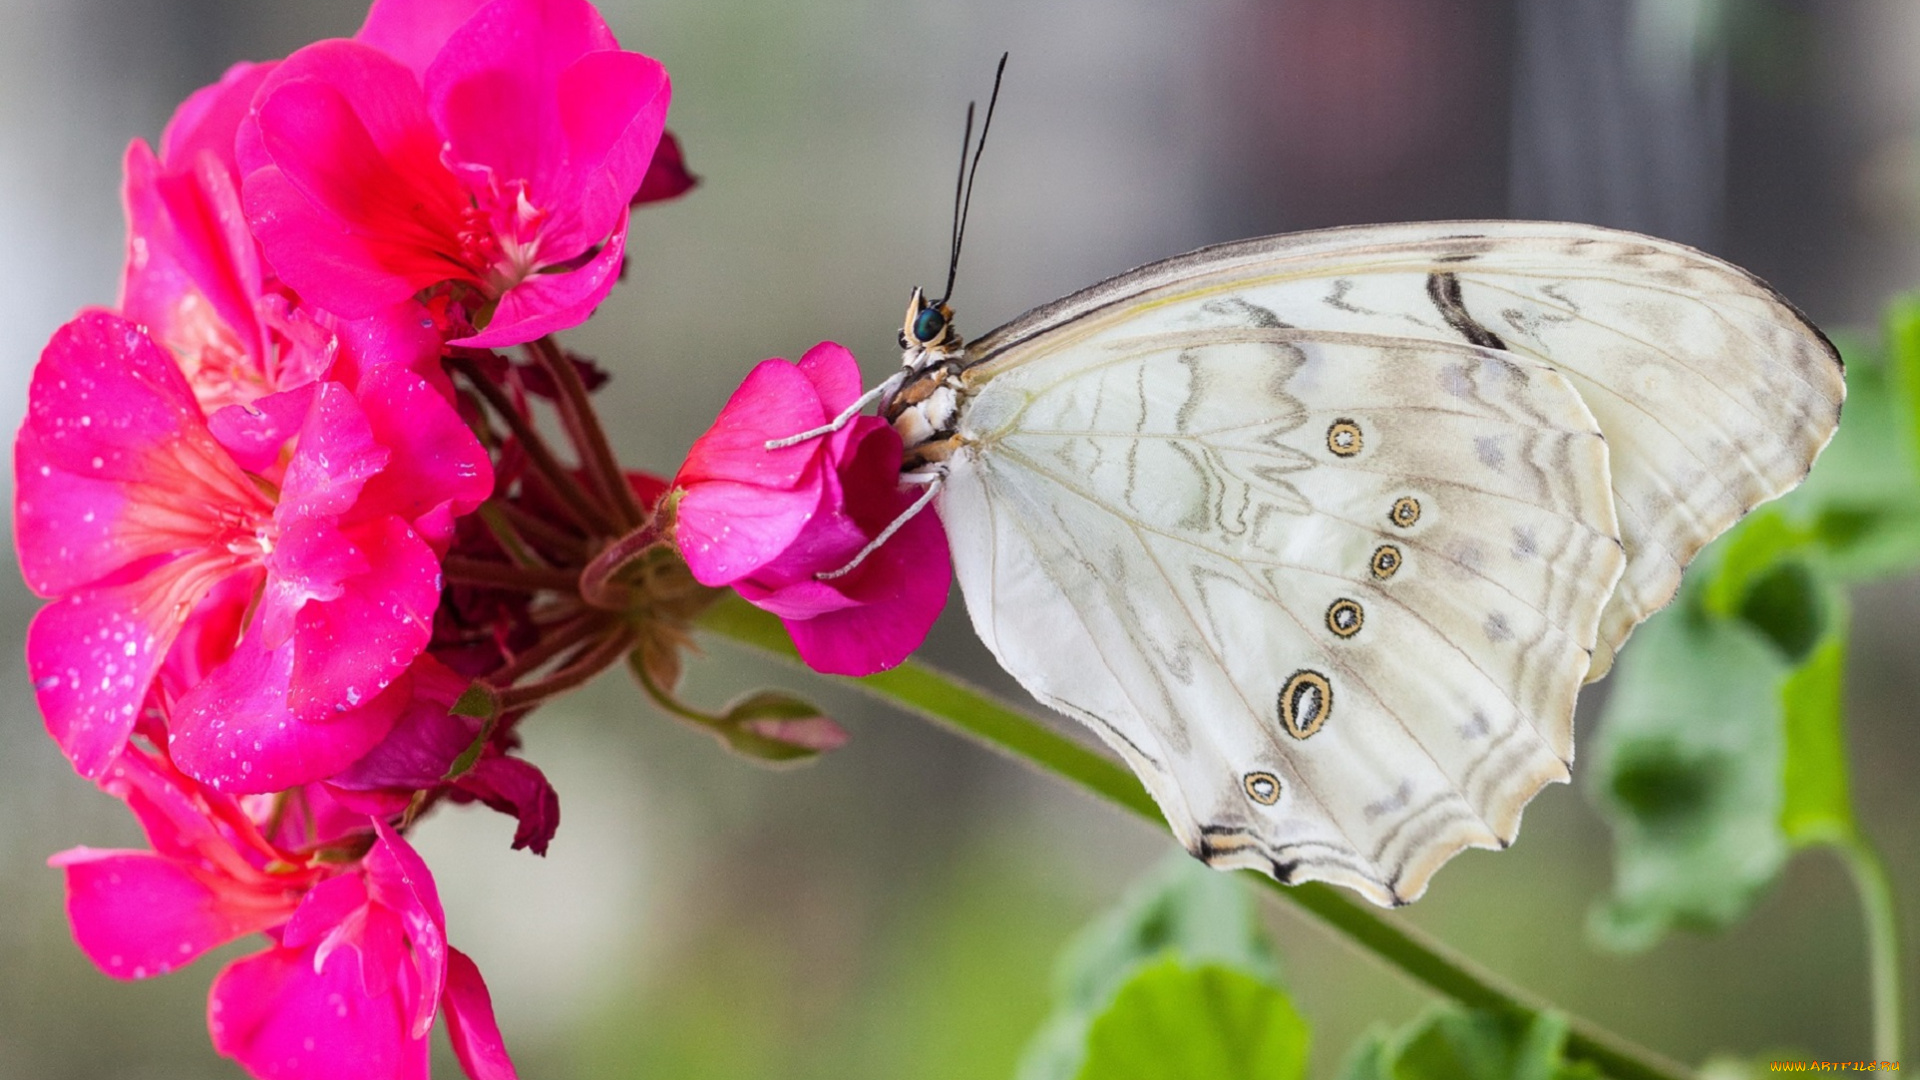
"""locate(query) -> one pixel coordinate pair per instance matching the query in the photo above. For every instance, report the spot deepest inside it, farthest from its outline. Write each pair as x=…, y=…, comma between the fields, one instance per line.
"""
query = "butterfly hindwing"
x=1330, y=594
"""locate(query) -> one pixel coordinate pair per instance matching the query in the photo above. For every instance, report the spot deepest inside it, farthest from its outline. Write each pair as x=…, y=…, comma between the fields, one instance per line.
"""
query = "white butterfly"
x=1322, y=533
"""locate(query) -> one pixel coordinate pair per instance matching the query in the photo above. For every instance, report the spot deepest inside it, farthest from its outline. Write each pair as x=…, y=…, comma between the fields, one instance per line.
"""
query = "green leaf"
x=1371, y=1058
x=1455, y=1044
x=1788, y=606
x=1861, y=502
x=1903, y=341
x=1749, y=552
x=1818, y=805
x=1689, y=770
x=1175, y=1022
x=1183, y=910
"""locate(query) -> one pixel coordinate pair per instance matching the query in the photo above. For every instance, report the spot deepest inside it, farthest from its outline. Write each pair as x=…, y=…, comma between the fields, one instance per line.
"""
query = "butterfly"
x=1322, y=533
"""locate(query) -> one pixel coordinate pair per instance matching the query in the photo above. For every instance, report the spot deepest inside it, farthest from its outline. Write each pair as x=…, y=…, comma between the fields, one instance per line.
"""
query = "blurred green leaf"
x=1371, y=1058
x=1787, y=605
x=1747, y=553
x=1861, y=504
x=1454, y=1044
x=1818, y=805
x=1170, y=1021
x=1689, y=770
x=1183, y=910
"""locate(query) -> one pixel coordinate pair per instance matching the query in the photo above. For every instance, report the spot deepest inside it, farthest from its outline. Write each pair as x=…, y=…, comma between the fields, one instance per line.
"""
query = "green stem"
x=1883, y=941
x=983, y=718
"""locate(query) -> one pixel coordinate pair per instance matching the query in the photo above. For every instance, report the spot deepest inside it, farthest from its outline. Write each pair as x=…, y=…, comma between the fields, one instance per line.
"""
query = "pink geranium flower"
x=769, y=523
x=195, y=280
x=504, y=163
x=301, y=583
x=359, y=965
x=355, y=981
x=210, y=878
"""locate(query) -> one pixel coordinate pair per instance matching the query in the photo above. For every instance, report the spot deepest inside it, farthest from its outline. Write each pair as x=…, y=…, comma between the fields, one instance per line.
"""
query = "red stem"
x=578, y=670
x=583, y=427
x=597, y=586
x=564, y=486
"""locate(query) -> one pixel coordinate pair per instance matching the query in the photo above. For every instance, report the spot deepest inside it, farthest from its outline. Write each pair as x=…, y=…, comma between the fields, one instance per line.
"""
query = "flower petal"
x=92, y=657
x=356, y=211
x=351, y=648
x=470, y=1024
x=399, y=879
x=424, y=742
x=235, y=731
x=437, y=470
x=727, y=530
x=517, y=787
x=137, y=914
x=414, y=31
x=494, y=89
x=549, y=302
x=210, y=117
x=279, y=1017
x=905, y=585
x=667, y=175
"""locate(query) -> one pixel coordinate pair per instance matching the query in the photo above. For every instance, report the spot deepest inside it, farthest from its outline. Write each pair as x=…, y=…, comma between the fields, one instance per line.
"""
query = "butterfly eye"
x=928, y=324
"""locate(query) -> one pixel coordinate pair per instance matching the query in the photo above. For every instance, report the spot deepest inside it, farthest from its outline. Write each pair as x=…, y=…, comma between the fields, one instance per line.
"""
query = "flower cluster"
x=248, y=488
x=311, y=559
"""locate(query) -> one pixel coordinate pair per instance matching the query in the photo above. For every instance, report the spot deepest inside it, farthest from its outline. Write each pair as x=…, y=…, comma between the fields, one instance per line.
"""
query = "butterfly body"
x=1323, y=532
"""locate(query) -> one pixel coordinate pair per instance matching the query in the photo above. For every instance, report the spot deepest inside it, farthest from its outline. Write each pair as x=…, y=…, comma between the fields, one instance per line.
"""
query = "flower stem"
x=460, y=570
x=564, y=486
x=583, y=428
x=597, y=586
x=1883, y=940
x=952, y=704
x=576, y=670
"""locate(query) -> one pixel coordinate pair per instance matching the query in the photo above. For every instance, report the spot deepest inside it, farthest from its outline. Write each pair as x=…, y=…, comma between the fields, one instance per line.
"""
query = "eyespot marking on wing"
x=1305, y=703
x=1344, y=438
x=1385, y=562
x=1405, y=512
x=1344, y=617
x=1262, y=787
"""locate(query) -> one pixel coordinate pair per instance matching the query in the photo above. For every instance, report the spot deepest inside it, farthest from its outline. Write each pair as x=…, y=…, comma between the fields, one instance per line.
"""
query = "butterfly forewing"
x=1714, y=393
x=1323, y=532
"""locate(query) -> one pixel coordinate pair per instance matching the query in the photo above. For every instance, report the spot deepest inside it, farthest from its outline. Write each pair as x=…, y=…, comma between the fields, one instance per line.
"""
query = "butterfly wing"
x=1714, y=392
x=1326, y=562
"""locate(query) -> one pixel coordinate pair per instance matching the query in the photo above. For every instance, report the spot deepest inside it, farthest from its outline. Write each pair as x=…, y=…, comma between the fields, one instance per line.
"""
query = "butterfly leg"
x=933, y=481
x=846, y=416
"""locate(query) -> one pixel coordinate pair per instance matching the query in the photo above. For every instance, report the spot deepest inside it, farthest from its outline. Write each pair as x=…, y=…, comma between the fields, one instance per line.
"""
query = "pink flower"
x=355, y=981
x=770, y=522
x=359, y=964
x=503, y=163
x=300, y=585
x=211, y=877
x=194, y=278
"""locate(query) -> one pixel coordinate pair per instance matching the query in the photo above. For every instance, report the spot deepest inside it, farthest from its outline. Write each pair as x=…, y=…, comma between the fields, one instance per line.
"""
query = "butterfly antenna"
x=962, y=203
x=959, y=188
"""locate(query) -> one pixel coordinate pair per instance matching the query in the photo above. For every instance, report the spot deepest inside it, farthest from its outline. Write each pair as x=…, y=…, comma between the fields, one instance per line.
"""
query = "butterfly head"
x=928, y=327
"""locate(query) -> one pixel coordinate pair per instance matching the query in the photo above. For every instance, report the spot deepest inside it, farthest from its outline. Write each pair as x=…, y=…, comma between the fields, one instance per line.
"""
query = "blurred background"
x=895, y=910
